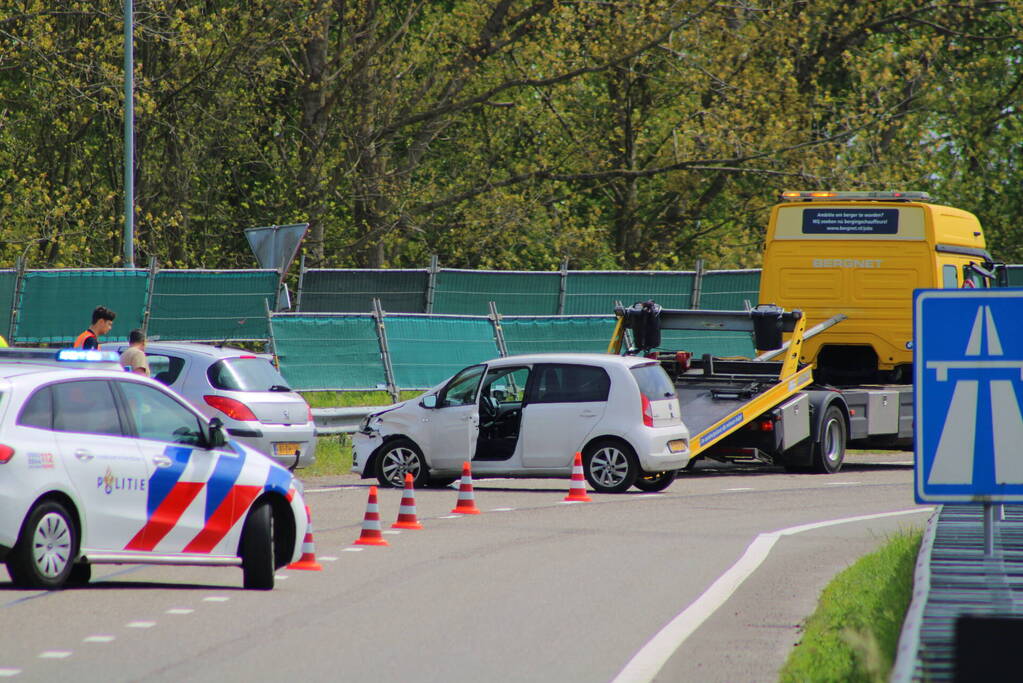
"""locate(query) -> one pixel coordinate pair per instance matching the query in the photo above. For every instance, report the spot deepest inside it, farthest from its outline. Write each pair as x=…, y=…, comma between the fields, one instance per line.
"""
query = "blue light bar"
x=87, y=355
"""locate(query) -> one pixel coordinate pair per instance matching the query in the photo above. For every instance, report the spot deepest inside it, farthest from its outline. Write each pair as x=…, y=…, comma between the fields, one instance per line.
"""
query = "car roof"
x=604, y=359
x=204, y=350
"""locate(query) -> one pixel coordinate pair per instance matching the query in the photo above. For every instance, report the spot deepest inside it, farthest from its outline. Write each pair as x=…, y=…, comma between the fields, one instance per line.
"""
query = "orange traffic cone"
x=407, y=511
x=371, y=523
x=466, y=502
x=308, y=559
x=577, y=489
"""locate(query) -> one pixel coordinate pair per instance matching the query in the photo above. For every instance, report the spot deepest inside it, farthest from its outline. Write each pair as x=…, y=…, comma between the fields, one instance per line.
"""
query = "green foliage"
x=632, y=134
x=854, y=633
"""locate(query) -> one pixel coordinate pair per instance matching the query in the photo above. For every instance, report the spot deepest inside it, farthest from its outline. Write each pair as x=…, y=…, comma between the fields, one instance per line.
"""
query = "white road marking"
x=215, y=598
x=281, y=577
x=98, y=639
x=141, y=624
x=327, y=558
x=503, y=510
x=392, y=532
x=740, y=489
x=9, y=673
x=646, y=663
x=900, y=462
x=571, y=502
x=180, y=610
x=842, y=483
x=55, y=654
x=451, y=516
x=352, y=550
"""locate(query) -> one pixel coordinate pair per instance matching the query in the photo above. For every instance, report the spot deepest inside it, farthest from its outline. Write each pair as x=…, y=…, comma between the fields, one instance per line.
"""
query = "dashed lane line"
x=180, y=610
x=98, y=639
x=54, y=654
x=140, y=624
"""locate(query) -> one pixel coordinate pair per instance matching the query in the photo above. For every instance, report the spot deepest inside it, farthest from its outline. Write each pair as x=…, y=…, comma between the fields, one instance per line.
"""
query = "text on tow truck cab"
x=863, y=254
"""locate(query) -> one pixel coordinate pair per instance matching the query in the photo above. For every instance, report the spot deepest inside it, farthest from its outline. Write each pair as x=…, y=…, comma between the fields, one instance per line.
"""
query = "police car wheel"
x=43, y=555
x=257, y=548
x=651, y=483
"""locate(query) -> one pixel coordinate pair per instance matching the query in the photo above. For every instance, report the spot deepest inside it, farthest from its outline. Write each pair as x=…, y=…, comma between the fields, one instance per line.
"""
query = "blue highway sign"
x=967, y=392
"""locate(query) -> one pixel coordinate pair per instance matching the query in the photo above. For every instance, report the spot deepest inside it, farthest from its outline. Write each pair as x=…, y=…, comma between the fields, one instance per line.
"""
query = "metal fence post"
x=495, y=320
x=150, y=289
x=271, y=340
x=385, y=353
x=697, y=285
x=562, y=287
x=301, y=280
x=12, y=324
x=431, y=283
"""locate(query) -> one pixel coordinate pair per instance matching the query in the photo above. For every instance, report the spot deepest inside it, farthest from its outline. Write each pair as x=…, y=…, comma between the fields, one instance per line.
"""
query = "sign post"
x=968, y=389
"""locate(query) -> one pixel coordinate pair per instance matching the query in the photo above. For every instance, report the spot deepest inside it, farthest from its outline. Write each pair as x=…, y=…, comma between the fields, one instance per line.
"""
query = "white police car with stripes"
x=100, y=466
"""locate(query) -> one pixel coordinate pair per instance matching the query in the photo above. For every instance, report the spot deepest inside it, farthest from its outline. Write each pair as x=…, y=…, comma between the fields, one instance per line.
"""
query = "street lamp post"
x=129, y=138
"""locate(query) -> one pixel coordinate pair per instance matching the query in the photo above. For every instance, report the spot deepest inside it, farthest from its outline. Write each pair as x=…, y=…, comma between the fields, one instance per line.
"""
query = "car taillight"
x=309, y=414
x=6, y=453
x=648, y=411
x=236, y=410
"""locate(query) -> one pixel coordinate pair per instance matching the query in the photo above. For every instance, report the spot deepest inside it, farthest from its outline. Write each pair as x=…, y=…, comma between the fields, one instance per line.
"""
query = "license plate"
x=286, y=448
x=677, y=445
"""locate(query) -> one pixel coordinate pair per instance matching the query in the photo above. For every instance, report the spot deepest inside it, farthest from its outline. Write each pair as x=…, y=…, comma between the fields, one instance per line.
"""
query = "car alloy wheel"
x=397, y=458
x=610, y=466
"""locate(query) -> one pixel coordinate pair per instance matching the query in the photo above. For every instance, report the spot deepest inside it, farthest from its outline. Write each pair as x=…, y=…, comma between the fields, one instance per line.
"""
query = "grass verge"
x=334, y=453
x=853, y=634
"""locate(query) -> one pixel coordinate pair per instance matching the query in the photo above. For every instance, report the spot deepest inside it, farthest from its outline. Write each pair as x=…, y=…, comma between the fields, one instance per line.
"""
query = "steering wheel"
x=488, y=407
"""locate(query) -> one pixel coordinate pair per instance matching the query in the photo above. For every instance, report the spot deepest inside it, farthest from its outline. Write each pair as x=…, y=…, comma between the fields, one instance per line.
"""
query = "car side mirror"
x=429, y=401
x=217, y=438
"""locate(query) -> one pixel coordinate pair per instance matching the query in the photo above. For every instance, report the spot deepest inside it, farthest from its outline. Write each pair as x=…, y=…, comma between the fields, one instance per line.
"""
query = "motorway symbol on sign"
x=968, y=385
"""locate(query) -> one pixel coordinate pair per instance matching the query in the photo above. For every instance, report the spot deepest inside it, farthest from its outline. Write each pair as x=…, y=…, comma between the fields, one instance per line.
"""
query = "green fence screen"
x=328, y=351
x=1015, y=276
x=729, y=290
x=399, y=291
x=208, y=305
x=466, y=292
x=54, y=306
x=539, y=334
x=426, y=349
x=595, y=292
x=8, y=280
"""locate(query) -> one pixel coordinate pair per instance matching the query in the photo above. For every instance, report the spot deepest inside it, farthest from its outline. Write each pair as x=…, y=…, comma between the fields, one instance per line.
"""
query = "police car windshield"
x=246, y=374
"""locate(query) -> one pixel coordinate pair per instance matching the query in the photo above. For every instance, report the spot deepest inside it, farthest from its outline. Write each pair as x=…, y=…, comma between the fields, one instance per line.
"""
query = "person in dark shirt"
x=102, y=322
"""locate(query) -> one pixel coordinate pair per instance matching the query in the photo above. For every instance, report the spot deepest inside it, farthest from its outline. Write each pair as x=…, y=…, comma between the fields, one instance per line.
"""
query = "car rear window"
x=653, y=381
x=246, y=374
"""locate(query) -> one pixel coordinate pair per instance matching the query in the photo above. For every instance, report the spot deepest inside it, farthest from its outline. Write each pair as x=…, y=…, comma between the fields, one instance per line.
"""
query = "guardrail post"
x=12, y=324
x=562, y=287
x=150, y=288
x=495, y=320
x=385, y=354
x=694, y=301
x=431, y=283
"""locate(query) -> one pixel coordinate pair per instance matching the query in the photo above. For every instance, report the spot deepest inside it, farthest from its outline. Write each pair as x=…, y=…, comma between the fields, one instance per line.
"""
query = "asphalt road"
x=533, y=589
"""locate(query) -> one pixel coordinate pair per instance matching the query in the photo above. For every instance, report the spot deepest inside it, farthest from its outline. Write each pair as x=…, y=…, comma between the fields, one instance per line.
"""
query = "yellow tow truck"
x=849, y=257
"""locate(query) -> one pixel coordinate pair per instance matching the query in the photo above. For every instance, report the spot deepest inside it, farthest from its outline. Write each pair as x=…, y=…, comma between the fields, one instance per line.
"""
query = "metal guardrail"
x=331, y=421
x=956, y=578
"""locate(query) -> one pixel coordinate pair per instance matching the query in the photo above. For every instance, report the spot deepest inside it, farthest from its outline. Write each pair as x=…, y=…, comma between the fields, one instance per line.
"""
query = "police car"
x=100, y=466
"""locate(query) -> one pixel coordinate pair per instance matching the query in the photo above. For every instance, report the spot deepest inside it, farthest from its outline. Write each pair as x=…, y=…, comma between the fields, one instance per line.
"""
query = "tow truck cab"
x=863, y=254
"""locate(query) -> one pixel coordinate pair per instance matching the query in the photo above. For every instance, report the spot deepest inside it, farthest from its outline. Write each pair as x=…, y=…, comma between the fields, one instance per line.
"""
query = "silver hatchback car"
x=245, y=391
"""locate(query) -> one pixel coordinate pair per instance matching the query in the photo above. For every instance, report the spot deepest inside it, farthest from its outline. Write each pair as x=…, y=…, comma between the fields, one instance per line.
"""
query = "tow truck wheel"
x=610, y=466
x=45, y=549
x=830, y=450
x=398, y=457
x=651, y=483
x=257, y=548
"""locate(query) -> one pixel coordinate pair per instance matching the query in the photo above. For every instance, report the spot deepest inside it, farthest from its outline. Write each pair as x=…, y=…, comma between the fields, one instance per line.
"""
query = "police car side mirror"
x=216, y=437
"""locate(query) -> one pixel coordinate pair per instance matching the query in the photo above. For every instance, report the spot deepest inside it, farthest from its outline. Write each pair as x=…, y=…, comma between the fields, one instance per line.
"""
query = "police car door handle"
x=587, y=413
x=83, y=455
